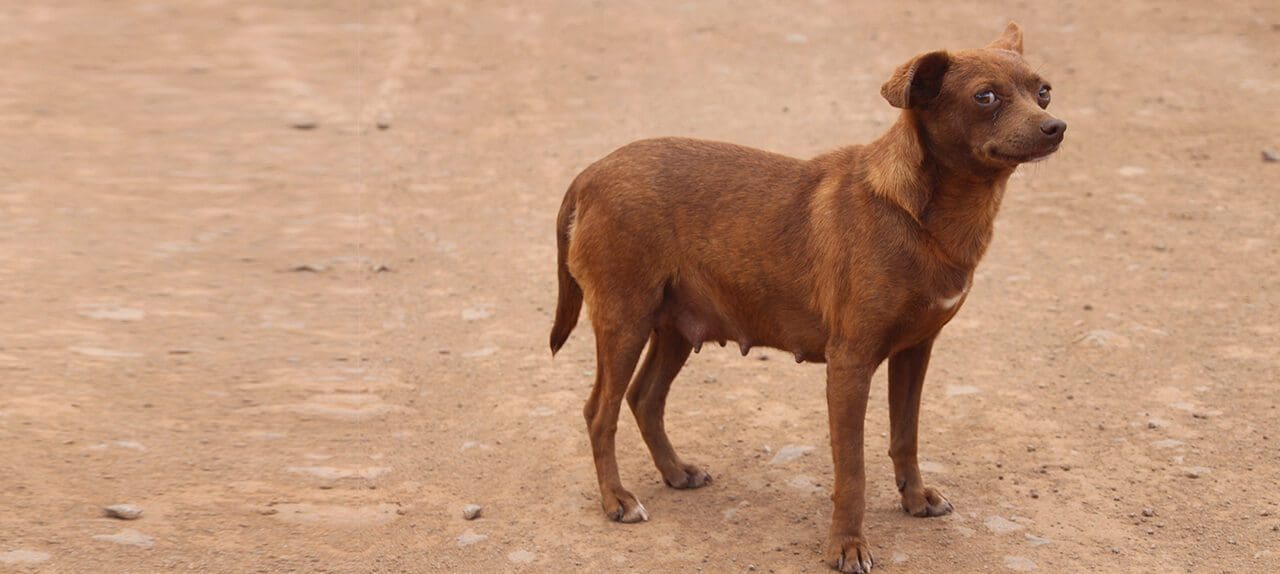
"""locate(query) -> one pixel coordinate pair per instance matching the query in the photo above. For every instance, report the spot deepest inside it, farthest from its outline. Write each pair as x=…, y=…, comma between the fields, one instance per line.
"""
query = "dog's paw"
x=689, y=476
x=926, y=503
x=625, y=507
x=849, y=554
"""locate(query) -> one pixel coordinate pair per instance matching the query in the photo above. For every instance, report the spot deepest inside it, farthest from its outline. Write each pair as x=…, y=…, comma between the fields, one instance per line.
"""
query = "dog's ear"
x=916, y=83
x=1010, y=40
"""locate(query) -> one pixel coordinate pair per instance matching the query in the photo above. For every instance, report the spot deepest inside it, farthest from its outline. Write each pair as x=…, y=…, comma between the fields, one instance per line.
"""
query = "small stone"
x=128, y=537
x=1148, y=512
x=303, y=122
x=1270, y=156
x=23, y=557
x=384, y=120
x=1034, y=494
x=521, y=557
x=1036, y=540
x=124, y=511
x=1019, y=564
x=791, y=452
x=1001, y=525
x=468, y=538
x=309, y=268
x=472, y=511
x=1031, y=448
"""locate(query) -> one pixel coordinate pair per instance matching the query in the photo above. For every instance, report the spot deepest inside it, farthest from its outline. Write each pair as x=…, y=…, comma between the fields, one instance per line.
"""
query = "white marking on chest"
x=948, y=302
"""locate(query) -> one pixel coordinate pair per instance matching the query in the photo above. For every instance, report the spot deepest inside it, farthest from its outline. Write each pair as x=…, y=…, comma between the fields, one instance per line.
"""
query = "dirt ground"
x=305, y=350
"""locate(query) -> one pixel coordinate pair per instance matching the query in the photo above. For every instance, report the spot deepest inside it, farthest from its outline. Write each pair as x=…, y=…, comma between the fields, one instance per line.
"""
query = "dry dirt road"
x=304, y=350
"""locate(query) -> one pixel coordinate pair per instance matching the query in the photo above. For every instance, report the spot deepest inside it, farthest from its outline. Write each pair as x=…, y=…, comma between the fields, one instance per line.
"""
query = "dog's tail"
x=570, y=303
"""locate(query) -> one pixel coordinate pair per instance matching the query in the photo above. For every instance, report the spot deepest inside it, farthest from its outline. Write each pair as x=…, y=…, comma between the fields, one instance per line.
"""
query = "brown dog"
x=853, y=257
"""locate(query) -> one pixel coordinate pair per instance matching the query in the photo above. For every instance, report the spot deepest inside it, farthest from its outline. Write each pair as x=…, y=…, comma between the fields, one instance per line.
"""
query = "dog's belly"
x=750, y=324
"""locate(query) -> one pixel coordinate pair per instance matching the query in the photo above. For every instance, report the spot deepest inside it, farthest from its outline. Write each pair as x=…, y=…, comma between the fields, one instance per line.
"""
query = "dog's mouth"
x=1021, y=158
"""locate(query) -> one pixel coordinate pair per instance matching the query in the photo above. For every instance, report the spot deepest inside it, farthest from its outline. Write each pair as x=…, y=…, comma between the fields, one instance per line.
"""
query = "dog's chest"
x=948, y=302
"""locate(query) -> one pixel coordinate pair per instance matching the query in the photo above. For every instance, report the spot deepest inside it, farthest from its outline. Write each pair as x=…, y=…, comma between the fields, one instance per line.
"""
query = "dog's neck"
x=954, y=205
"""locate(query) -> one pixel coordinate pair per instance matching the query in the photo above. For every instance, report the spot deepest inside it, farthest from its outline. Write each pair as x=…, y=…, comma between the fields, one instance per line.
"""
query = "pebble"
x=521, y=557
x=1001, y=525
x=468, y=538
x=959, y=390
x=1034, y=494
x=472, y=511
x=384, y=120
x=302, y=121
x=791, y=452
x=1270, y=156
x=1148, y=512
x=1104, y=339
x=23, y=557
x=1036, y=540
x=124, y=511
x=1019, y=563
x=128, y=537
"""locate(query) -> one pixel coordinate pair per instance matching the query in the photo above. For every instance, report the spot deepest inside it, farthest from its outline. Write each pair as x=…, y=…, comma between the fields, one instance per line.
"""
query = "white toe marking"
x=644, y=514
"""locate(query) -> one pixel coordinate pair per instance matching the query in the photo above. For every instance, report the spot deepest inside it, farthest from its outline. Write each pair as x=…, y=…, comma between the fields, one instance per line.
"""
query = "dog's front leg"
x=906, y=380
x=849, y=370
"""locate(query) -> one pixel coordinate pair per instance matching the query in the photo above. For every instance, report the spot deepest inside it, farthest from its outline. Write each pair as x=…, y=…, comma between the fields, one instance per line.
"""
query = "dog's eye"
x=1044, y=93
x=985, y=98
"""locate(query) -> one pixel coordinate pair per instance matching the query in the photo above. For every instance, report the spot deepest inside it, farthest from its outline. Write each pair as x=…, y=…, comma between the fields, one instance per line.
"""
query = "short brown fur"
x=851, y=258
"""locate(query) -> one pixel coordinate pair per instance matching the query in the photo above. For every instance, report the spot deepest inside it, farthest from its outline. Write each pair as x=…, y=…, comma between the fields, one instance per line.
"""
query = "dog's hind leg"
x=619, y=342
x=668, y=351
x=906, y=379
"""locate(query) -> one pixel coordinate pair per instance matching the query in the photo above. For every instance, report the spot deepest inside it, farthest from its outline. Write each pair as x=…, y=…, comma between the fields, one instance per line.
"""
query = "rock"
x=303, y=121
x=1019, y=564
x=477, y=313
x=1034, y=493
x=1270, y=156
x=521, y=557
x=472, y=511
x=128, y=537
x=124, y=511
x=309, y=268
x=931, y=466
x=1001, y=525
x=959, y=390
x=114, y=313
x=804, y=483
x=481, y=352
x=1036, y=540
x=1148, y=512
x=1104, y=339
x=384, y=120
x=21, y=556
x=468, y=538
x=791, y=452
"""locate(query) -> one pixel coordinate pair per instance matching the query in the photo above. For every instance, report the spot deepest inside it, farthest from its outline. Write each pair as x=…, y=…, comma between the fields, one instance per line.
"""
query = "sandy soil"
x=307, y=349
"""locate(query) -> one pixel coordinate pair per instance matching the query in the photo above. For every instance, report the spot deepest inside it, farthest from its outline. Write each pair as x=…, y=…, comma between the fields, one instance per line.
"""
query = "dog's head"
x=983, y=107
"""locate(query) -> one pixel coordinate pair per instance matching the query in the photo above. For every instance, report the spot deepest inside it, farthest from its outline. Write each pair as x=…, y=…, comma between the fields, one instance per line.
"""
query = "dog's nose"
x=1053, y=128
